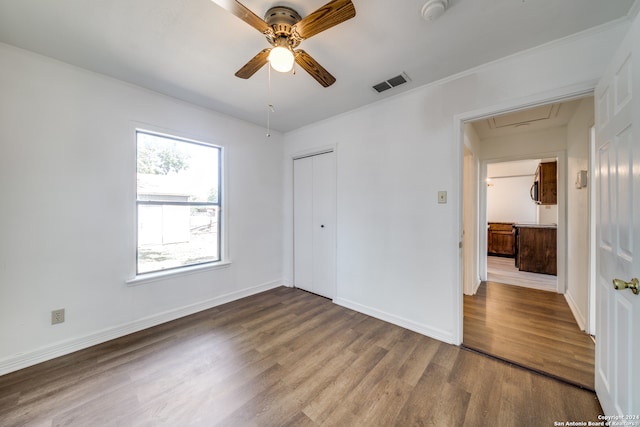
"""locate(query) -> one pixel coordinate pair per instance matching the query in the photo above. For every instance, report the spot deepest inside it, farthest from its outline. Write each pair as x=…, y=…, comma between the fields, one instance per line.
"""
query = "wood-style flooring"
x=529, y=327
x=504, y=270
x=284, y=358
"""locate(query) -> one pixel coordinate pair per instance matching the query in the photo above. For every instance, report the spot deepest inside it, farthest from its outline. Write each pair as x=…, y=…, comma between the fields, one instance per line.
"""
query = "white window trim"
x=224, y=262
x=157, y=276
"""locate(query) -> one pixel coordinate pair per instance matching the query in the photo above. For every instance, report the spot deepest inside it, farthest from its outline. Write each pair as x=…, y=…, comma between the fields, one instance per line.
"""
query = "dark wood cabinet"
x=537, y=249
x=545, y=184
x=501, y=239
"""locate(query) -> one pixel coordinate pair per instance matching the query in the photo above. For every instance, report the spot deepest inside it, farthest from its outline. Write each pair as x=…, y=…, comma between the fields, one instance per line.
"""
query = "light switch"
x=442, y=197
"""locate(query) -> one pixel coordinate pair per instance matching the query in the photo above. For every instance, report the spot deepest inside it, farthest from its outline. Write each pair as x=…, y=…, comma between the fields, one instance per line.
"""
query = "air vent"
x=381, y=87
x=392, y=82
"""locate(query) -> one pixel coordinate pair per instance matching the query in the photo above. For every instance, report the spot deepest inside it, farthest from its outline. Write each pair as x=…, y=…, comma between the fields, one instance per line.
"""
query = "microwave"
x=534, y=192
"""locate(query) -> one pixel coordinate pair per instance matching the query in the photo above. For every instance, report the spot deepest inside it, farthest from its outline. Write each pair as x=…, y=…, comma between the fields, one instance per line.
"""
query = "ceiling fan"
x=285, y=30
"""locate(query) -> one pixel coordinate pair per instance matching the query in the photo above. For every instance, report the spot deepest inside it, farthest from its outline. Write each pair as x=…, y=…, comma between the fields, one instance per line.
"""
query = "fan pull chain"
x=269, y=105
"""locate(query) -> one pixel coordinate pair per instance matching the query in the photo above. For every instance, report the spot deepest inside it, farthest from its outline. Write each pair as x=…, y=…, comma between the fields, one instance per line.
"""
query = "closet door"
x=303, y=223
x=314, y=224
x=324, y=219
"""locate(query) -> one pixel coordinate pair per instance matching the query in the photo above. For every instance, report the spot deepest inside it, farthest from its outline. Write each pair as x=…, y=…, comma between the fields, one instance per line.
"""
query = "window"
x=178, y=202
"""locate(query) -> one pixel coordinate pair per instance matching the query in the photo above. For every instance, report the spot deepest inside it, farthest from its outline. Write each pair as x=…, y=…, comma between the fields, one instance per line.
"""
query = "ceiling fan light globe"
x=281, y=59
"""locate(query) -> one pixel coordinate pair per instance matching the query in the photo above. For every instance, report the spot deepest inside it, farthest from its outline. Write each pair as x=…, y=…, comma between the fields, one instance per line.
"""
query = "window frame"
x=218, y=204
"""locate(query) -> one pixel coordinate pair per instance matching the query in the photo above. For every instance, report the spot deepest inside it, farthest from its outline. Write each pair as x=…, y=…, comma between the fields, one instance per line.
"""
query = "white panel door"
x=324, y=219
x=617, y=183
x=303, y=223
x=314, y=194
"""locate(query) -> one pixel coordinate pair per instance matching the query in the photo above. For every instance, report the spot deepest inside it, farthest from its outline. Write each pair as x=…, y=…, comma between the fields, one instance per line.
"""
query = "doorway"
x=533, y=133
x=521, y=227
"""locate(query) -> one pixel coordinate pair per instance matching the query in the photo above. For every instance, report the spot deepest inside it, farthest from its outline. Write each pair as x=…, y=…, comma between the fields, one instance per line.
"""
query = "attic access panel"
x=543, y=112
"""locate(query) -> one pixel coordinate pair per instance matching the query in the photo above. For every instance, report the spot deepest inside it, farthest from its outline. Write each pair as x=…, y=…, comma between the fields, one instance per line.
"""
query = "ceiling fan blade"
x=312, y=67
x=329, y=15
x=242, y=12
x=254, y=64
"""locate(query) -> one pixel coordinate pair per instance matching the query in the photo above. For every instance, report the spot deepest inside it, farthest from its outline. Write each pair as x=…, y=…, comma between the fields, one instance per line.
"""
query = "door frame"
x=509, y=106
x=591, y=312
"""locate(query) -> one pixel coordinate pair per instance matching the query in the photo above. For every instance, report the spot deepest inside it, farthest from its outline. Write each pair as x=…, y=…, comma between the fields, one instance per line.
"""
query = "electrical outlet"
x=57, y=316
x=442, y=197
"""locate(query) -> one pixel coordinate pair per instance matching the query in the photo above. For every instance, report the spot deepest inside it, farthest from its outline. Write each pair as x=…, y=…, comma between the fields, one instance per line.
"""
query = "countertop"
x=531, y=225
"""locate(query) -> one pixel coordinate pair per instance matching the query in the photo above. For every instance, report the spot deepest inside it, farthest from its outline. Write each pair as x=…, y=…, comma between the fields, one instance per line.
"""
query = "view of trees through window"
x=178, y=202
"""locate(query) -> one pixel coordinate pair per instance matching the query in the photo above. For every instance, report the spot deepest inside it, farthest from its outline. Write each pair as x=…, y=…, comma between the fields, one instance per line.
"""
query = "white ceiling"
x=190, y=49
x=528, y=120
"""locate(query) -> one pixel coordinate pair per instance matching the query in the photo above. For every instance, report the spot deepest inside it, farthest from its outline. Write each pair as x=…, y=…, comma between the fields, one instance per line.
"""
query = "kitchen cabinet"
x=544, y=190
x=501, y=239
x=536, y=249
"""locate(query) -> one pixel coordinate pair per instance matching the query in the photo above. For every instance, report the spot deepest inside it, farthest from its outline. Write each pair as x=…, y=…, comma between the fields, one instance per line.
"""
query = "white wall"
x=508, y=200
x=514, y=168
x=524, y=145
x=547, y=214
x=67, y=186
x=398, y=253
x=578, y=131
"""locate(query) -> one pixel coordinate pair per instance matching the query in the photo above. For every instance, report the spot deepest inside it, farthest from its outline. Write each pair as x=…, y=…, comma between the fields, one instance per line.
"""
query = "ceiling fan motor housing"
x=281, y=19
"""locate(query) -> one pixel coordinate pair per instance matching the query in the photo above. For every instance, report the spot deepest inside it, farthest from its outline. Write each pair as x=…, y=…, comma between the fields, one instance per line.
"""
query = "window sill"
x=177, y=272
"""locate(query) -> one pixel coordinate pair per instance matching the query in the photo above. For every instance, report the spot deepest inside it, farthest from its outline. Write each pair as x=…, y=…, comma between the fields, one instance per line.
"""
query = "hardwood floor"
x=529, y=327
x=284, y=358
x=503, y=270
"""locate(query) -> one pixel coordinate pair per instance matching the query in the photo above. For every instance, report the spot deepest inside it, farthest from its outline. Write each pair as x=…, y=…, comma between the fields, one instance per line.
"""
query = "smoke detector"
x=433, y=9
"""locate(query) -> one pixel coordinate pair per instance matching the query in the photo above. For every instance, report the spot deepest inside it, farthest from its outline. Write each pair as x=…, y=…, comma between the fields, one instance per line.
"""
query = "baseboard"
x=577, y=314
x=434, y=333
x=476, y=286
x=24, y=360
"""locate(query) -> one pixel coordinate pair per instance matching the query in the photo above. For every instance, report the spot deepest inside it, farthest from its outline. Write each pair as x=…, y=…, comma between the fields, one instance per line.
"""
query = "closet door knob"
x=322, y=226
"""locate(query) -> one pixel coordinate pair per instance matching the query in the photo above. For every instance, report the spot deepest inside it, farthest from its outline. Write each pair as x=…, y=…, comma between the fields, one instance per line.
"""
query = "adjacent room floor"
x=531, y=328
x=504, y=270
